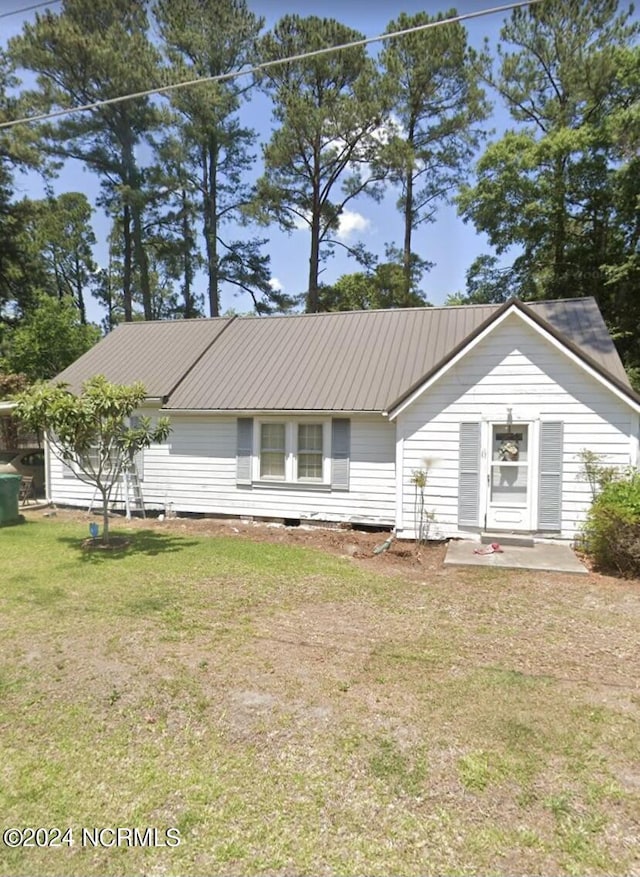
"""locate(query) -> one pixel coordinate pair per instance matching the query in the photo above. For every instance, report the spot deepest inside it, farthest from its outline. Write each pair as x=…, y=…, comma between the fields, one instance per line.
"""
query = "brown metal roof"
x=579, y=320
x=157, y=353
x=358, y=361
x=354, y=361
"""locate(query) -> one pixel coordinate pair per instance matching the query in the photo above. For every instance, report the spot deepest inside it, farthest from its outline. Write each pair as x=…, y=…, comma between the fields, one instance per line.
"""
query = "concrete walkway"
x=549, y=556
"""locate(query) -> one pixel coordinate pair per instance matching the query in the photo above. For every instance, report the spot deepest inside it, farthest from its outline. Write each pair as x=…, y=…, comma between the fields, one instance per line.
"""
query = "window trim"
x=291, y=478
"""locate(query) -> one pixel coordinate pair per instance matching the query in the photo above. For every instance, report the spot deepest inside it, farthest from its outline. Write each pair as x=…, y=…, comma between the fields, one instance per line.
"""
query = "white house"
x=328, y=416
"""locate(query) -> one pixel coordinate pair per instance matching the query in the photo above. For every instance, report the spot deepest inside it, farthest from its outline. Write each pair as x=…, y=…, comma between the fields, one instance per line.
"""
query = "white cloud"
x=275, y=285
x=352, y=222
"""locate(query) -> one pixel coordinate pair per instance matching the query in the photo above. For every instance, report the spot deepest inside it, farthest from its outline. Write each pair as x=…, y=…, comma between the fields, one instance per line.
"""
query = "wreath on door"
x=508, y=451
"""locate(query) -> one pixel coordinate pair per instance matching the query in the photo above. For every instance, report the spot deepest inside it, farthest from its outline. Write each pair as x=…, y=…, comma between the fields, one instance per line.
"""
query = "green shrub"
x=612, y=529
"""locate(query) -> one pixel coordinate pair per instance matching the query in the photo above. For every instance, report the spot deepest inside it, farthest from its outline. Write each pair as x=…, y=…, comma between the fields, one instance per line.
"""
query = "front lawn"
x=293, y=712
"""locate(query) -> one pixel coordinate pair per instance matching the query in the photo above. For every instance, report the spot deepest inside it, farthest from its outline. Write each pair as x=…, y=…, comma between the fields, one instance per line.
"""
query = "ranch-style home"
x=328, y=417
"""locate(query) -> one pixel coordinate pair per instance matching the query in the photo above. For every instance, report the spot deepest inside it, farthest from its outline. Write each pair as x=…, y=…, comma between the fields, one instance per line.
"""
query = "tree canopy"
x=190, y=190
x=93, y=432
x=563, y=186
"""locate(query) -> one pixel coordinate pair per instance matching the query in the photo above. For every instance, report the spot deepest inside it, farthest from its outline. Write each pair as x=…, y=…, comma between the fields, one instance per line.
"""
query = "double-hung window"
x=292, y=451
x=310, y=456
x=312, y=452
x=273, y=451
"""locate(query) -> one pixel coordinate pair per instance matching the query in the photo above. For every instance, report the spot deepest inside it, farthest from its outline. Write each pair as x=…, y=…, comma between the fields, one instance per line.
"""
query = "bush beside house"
x=612, y=528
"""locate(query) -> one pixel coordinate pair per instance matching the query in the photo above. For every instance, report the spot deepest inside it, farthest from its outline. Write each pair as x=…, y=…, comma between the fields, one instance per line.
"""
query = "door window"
x=509, y=464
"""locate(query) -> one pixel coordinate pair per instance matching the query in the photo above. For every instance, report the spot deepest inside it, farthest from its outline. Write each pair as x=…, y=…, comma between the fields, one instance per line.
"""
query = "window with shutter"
x=308, y=452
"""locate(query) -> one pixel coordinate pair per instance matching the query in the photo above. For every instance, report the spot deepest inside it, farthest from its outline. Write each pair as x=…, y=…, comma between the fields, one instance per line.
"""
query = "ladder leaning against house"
x=127, y=490
x=131, y=490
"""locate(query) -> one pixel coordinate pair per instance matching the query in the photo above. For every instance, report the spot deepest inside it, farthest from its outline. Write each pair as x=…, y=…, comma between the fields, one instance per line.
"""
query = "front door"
x=510, y=464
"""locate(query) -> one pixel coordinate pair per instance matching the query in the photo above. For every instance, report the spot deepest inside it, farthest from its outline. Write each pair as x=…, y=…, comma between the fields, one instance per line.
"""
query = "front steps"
x=523, y=540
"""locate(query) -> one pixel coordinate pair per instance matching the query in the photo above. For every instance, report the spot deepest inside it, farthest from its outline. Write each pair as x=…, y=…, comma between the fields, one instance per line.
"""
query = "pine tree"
x=329, y=110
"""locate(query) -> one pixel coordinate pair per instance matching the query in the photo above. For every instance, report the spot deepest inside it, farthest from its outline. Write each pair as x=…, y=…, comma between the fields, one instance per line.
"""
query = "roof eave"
x=276, y=412
x=560, y=337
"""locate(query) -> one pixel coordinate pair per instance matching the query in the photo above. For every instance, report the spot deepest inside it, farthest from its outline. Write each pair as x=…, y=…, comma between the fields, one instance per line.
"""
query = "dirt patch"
x=395, y=715
x=115, y=543
x=401, y=557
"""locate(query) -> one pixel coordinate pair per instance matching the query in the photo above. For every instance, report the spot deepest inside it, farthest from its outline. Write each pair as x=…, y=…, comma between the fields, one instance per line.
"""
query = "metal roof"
x=158, y=353
x=339, y=361
x=358, y=361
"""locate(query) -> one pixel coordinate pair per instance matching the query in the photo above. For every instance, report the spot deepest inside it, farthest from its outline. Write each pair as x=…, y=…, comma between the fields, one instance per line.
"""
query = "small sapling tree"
x=92, y=431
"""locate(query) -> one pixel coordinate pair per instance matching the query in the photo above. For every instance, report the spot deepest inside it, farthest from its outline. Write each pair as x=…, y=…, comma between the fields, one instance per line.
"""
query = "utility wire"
x=29, y=8
x=165, y=89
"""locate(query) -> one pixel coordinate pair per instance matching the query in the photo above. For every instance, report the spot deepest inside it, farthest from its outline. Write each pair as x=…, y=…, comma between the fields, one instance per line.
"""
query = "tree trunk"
x=559, y=231
x=408, y=230
x=142, y=262
x=313, y=298
x=408, y=214
x=127, y=259
x=210, y=224
x=80, y=293
x=189, y=310
x=105, y=513
x=133, y=197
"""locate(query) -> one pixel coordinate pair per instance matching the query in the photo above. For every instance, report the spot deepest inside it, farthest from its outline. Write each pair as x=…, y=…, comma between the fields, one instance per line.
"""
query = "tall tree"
x=438, y=107
x=164, y=299
x=88, y=53
x=19, y=151
x=59, y=229
x=173, y=216
x=211, y=151
x=553, y=187
x=329, y=109
x=48, y=339
x=384, y=287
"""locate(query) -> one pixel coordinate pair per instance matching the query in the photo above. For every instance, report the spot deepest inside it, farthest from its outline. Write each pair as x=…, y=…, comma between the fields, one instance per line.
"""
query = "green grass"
x=292, y=712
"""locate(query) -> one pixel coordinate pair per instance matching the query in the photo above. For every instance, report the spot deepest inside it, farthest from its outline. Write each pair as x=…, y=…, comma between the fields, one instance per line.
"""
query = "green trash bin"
x=9, y=493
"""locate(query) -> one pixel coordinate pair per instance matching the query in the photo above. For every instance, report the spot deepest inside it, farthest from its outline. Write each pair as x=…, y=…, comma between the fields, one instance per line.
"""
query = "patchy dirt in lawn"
x=402, y=557
x=452, y=720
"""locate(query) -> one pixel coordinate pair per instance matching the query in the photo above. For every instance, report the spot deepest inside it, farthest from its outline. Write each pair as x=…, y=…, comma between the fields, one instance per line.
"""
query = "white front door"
x=510, y=477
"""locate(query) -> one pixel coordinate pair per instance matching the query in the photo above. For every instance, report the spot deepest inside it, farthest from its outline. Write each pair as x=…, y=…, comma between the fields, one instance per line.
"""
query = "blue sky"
x=447, y=242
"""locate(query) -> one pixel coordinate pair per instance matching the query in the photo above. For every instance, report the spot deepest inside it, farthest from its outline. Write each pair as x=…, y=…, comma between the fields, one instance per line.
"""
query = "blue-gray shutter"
x=244, y=450
x=469, y=475
x=550, y=477
x=340, y=453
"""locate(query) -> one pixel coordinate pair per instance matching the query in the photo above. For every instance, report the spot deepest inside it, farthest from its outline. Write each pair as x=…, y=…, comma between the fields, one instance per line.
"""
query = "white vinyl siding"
x=513, y=368
x=196, y=471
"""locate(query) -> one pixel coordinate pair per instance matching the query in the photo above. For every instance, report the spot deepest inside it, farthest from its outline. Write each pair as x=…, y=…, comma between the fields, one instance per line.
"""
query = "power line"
x=165, y=89
x=29, y=8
